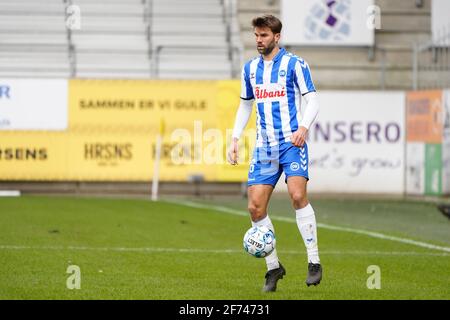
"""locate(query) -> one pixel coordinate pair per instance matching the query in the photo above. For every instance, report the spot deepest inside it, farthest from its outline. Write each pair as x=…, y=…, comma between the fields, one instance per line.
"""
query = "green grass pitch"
x=137, y=249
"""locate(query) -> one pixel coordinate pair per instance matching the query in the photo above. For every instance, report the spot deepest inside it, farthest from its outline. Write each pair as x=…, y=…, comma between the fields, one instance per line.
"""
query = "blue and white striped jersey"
x=276, y=86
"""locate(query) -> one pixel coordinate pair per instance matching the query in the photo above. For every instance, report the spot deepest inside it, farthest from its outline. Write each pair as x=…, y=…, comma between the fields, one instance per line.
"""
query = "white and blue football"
x=259, y=241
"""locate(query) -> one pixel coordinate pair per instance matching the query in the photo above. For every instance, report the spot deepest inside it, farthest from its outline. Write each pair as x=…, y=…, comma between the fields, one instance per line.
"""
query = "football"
x=259, y=241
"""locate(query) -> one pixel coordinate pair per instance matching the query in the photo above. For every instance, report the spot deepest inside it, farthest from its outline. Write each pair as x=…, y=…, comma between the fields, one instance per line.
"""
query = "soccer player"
x=276, y=81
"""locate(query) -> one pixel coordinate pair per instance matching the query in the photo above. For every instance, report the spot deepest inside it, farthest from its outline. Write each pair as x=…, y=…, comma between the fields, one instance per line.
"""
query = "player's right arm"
x=242, y=116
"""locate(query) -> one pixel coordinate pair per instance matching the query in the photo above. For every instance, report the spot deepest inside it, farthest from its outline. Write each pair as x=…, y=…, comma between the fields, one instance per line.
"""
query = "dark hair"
x=269, y=21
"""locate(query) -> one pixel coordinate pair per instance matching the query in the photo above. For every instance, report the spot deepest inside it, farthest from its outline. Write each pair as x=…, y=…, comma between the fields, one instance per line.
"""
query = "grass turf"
x=136, y=249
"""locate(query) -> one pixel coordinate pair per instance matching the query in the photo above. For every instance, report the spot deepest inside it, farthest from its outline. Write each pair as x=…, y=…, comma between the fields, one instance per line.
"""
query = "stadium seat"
x=117, y=39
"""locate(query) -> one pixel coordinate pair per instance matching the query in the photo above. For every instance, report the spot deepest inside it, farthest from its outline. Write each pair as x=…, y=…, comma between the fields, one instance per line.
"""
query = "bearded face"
x=266, y=40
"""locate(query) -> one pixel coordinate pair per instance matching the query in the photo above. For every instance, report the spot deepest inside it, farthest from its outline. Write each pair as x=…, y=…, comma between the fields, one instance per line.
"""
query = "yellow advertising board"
x=137, y=104
x=227, y=102
x=32, y=155
x=113, y=127
x=108, y=156
x=97, y=156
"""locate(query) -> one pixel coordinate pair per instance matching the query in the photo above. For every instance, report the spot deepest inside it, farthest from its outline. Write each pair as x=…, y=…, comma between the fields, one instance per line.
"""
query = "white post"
x=155, y=182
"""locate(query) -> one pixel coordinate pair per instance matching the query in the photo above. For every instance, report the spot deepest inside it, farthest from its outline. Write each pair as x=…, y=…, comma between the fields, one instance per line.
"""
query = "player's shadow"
x=445, y=209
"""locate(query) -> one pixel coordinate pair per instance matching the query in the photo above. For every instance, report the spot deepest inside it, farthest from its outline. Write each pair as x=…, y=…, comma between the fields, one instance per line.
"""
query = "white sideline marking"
x=321, y=225
x=9, y=193
x=227, y=251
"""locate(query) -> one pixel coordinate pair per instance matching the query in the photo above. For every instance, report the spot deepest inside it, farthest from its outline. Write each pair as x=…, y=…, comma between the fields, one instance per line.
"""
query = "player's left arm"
x=306, y=86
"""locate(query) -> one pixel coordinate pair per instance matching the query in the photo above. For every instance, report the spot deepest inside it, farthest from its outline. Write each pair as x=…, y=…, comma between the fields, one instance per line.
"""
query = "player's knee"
x=299, y=199
x=257, y=212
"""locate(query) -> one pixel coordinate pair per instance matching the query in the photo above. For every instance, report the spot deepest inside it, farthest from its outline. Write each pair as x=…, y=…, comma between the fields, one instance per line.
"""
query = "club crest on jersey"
x=282, y=73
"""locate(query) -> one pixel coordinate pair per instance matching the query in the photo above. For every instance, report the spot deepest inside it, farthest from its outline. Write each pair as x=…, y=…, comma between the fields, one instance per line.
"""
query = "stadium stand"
x=33, y=39
x=204, y=31
x=111, y=41
x=148, y=39
x=117, y=39
x=387, y=65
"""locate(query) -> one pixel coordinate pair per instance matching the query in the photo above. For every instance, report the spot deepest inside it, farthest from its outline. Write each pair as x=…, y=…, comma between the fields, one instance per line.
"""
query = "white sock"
x=272, y=259
x=306, y=222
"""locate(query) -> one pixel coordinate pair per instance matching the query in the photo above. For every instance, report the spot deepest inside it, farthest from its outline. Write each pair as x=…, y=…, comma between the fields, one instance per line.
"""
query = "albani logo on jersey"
x=272, y=90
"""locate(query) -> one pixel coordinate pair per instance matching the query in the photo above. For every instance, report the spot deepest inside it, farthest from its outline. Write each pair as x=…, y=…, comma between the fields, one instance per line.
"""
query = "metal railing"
x=431, y=62
x=227, y=15
x=234, y=52
x=371, y=57
x=383, y=69
x=70, y=46
x=148, y=19
x=155, y=65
